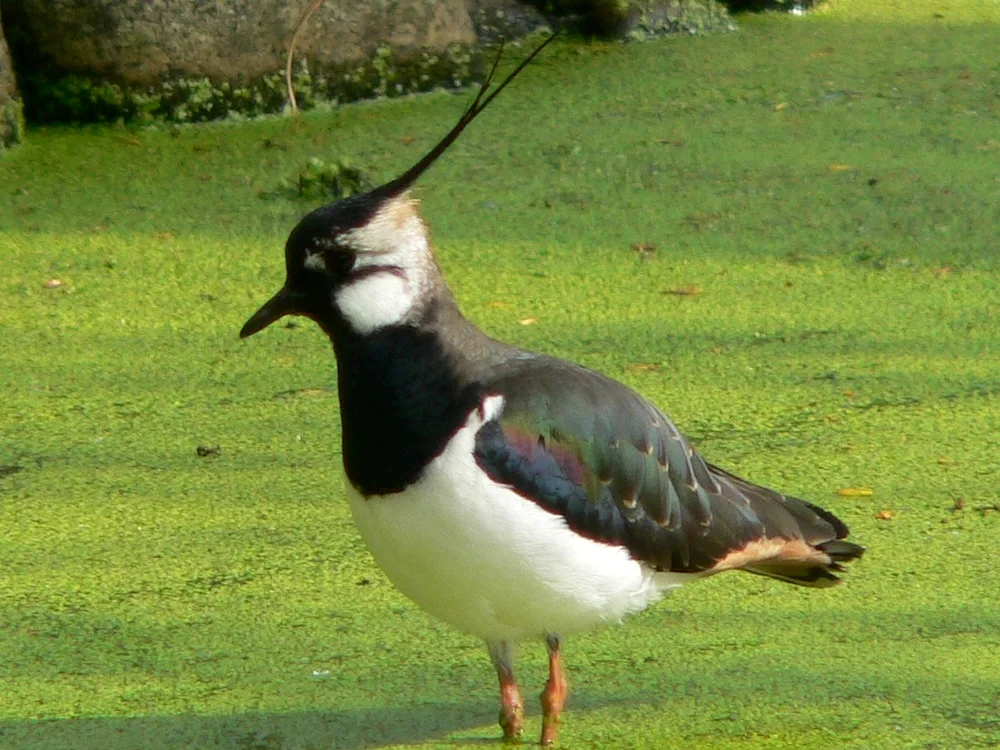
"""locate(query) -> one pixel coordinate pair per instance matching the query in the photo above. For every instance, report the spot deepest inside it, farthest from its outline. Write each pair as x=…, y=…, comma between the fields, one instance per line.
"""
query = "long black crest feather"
x=481, y=102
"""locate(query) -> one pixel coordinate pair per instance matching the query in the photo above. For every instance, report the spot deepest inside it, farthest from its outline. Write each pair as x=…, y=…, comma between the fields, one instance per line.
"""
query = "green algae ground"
x=820, y=312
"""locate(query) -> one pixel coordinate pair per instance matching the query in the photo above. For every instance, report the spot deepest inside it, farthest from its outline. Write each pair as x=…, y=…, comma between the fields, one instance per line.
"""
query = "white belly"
x=492, y=563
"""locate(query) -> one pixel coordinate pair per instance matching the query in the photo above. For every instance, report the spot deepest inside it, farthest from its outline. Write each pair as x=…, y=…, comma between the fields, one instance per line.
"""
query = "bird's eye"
x=340, y=263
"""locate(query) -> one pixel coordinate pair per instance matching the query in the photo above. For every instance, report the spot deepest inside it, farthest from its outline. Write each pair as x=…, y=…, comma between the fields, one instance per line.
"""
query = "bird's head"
x=365, y=262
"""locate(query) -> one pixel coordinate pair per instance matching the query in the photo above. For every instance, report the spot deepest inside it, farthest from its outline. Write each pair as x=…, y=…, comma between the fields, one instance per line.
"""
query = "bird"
x=511, y=494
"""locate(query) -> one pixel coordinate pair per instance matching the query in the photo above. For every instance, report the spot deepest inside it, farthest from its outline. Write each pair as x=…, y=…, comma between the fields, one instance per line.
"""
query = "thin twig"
x=313, y=7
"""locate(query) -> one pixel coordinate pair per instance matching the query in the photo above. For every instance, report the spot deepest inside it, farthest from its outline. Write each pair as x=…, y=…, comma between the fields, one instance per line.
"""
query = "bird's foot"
x=554, y=695
x=550, y=730
x=511, y=705
x=512, y=722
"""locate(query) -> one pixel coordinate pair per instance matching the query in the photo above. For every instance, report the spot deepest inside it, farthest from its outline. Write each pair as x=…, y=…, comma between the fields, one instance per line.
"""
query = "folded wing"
x=618, y=470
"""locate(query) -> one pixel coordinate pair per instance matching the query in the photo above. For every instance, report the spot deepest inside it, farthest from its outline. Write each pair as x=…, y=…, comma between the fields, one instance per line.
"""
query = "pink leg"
x=511, y=705
x=554, y=695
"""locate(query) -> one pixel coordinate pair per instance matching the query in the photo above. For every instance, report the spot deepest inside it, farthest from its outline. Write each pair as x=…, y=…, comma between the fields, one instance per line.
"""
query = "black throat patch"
x=401, y=401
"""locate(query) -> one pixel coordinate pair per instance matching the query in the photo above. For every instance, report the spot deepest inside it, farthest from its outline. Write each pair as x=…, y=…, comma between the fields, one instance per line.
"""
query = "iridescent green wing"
x=619, y=471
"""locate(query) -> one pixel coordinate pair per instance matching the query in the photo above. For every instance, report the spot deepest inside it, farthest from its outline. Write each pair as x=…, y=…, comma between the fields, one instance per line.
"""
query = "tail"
x=807, y=546
x=815, y=572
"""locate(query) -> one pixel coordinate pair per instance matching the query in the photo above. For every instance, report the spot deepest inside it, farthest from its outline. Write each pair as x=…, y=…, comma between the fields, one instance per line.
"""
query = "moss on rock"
x=645, y=18
x=758, y=6
x=75, y=98
x=639, y=19
x=11, y=123
x=54, y=93
x=11, y=109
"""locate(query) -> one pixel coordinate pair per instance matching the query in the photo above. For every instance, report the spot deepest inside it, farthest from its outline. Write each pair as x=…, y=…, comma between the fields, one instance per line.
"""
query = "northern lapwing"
x=512, y=494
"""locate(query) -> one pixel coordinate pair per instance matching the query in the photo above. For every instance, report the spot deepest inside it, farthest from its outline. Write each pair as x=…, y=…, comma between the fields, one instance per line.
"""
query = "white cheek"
x=376, y=301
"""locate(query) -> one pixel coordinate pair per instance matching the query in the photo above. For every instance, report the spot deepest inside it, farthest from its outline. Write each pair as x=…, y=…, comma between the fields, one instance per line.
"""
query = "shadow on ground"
x=346, y=729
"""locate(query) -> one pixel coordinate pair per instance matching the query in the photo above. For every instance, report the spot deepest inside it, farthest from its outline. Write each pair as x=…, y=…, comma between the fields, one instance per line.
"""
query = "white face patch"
x=376, y=301
x=395, y=239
